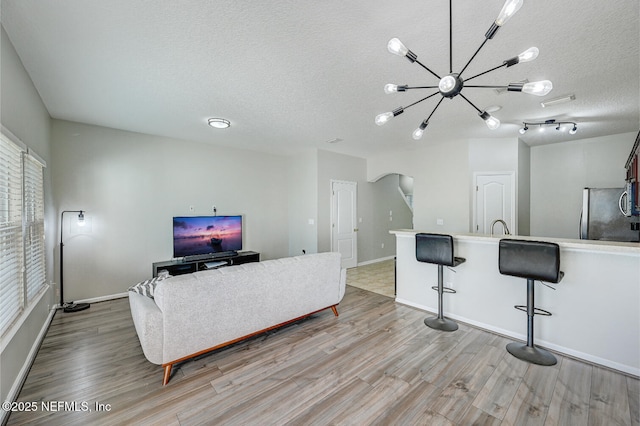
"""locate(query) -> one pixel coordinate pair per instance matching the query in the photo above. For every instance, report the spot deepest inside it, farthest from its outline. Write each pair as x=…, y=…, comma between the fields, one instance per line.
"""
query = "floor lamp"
x=69, y=307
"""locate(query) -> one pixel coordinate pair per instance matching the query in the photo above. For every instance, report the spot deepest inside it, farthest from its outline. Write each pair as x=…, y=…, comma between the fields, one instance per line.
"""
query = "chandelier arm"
x=470, y=103
x=450, y=39
x=423, y=99
x=474, y=55
x=487, y=87
x=434, y=110
x=421, y=87
x=427, y=68
x=486, y=72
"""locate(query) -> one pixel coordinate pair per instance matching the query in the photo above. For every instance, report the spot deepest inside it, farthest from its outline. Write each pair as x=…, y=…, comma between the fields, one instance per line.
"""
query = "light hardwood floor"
x=374, y=364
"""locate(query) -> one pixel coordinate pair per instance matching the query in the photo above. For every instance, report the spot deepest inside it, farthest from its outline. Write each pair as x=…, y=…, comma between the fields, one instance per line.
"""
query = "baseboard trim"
x=28, y=362
x=369, y=262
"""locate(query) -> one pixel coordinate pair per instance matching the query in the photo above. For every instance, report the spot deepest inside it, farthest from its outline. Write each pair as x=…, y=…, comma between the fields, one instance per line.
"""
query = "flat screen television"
x=201, y=235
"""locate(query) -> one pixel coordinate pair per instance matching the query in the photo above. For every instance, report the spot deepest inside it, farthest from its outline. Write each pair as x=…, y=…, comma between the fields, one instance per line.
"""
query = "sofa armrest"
x=147, y=319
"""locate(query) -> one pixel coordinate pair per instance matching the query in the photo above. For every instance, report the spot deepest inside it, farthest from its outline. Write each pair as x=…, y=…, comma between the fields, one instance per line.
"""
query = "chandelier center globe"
x=450, y=85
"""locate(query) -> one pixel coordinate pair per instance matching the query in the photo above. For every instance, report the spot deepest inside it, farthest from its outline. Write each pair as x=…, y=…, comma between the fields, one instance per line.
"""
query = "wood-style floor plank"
x=376, y=363
x=570, y=402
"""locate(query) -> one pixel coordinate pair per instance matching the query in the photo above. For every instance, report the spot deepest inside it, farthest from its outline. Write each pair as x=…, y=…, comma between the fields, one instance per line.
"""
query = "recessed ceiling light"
x=334, y=140
x=219, y=123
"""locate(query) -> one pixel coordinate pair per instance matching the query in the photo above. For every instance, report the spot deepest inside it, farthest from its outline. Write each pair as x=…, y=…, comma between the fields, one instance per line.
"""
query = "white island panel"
x=596, y=306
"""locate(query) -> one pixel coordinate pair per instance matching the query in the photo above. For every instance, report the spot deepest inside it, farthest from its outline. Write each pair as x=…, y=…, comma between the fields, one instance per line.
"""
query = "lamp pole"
x=70, y=307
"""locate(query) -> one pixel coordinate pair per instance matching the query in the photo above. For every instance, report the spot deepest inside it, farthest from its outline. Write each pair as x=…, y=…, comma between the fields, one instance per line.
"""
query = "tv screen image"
x=196, y=235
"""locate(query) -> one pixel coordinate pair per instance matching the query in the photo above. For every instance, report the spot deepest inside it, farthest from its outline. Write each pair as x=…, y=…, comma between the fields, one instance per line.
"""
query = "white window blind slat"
x=33, y=187
x=11, y=235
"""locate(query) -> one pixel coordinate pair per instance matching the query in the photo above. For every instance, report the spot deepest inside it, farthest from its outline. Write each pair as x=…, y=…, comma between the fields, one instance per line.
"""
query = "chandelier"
x=451, y=85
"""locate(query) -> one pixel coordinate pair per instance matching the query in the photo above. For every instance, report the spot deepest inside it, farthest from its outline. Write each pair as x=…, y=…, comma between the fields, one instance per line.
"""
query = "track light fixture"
x=451, y=85
x=557, y=124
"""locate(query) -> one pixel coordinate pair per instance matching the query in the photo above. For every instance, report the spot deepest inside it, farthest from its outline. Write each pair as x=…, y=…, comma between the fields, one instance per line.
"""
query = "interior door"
x=344, y=237
x=495, y=199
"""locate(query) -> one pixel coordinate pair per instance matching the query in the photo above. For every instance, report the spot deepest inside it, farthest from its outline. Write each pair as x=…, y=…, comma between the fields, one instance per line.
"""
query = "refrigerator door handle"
x=584, y=215
x=622, y=201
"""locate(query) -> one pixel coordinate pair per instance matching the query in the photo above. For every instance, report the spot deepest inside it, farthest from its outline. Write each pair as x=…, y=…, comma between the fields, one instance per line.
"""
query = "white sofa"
x=195, y=313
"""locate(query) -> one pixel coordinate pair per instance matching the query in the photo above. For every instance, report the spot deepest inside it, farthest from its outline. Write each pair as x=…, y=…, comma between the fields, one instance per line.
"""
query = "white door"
x=344, y=237
x=495, y=199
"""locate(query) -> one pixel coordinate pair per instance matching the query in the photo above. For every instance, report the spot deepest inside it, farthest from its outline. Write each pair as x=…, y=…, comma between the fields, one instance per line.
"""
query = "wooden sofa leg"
x=335, y=310
x=167, y=374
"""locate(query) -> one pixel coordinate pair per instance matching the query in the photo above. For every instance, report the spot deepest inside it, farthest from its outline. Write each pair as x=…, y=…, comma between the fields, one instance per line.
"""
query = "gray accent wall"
x=132, y=185
x=25, y=116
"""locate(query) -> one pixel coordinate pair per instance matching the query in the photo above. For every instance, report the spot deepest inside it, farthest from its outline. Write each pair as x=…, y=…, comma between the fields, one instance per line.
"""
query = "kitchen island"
x=596, y=306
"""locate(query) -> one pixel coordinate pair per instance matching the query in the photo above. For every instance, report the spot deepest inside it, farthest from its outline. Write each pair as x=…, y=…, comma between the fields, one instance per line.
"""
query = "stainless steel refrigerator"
x=603, y=216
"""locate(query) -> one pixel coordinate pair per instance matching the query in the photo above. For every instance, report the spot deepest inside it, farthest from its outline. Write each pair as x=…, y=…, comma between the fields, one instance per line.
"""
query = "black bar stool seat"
x=533, y=260
x=438, y=249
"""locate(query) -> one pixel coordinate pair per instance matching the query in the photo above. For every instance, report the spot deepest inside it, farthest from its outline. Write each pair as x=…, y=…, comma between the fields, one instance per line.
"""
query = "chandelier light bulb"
x=396, y=47
x=390, y=88
x=538, y=88
x=508, y=10
x=523, y=130
x=417, y=133
x=528, y=55
x=491, y=122
x=383, y=118
x=81, y=221
x=573, y=130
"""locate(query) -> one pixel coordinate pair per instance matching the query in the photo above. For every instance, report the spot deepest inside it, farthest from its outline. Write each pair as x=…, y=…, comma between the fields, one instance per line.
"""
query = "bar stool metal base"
x=442, y=324
x=532, y=354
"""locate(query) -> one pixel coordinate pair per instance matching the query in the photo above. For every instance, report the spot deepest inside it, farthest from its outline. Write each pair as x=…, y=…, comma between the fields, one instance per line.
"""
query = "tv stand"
x=182, y=266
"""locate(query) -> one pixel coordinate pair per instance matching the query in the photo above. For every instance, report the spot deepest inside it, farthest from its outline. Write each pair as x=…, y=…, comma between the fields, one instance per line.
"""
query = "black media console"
x=181, y=266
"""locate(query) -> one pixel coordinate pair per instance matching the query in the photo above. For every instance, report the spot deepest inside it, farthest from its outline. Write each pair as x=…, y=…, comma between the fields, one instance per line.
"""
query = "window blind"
x=11, y=240
x=33, y=217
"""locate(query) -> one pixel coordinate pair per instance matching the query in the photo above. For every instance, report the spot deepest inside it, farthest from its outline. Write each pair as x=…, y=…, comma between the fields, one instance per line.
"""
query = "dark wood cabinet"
x=180, y=266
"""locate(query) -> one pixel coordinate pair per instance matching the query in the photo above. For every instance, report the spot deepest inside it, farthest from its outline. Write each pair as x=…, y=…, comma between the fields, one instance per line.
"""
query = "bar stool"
x=438, y=249
x=533, y=260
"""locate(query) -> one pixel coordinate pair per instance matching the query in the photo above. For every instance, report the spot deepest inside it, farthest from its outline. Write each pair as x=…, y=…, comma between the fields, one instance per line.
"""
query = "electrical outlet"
x=440, y=222
x=382, y=245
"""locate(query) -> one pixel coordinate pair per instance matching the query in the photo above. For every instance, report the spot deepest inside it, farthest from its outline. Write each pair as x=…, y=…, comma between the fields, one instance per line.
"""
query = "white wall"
x=550, y=179
x=24, y=115
x=441, y=178
x=524, y=189
x=131, y=185
x=303, y=203
x=559, y=172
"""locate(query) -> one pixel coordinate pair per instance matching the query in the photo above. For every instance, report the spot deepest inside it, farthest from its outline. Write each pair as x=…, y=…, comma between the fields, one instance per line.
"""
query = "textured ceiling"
x=291, y=75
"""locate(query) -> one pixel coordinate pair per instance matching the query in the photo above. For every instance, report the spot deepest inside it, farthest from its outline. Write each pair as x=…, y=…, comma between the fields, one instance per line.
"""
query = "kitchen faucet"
x=504, y=224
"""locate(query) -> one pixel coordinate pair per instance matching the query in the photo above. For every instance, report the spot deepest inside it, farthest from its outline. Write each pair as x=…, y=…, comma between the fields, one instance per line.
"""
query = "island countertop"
x=592, y=245
x=596, y=306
